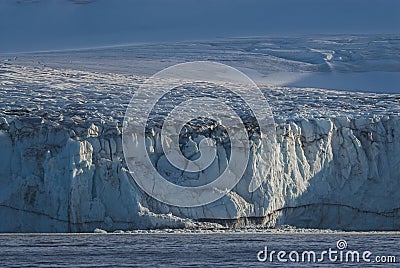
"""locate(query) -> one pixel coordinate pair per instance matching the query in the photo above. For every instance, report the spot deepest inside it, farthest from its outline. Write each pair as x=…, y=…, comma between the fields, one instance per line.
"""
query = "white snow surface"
x=335, y=164
x=367, y=63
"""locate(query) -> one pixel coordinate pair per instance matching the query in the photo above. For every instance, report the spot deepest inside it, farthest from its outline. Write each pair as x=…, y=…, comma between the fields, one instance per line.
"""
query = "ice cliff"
x=336, y=163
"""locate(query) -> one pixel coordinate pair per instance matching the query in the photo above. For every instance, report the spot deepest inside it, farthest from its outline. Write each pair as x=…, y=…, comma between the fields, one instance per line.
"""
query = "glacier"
x=335, y=164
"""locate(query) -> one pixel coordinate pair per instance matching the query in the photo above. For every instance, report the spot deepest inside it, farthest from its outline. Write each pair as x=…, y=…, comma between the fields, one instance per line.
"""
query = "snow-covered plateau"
x=336, y=163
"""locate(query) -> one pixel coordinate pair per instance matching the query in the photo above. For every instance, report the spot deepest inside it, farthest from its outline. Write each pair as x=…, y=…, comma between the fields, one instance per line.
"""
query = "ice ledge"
x=321, y=216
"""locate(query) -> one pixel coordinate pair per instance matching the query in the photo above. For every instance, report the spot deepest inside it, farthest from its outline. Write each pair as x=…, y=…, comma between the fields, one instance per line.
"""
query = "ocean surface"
x=192, y=250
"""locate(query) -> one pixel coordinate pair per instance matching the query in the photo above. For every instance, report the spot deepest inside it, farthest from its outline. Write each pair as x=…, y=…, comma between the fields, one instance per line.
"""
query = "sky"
x=39, y=25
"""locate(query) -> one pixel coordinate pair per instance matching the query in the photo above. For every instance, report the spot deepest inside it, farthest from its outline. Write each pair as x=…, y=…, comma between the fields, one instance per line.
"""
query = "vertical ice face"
x=339, y=173
x=327, y=173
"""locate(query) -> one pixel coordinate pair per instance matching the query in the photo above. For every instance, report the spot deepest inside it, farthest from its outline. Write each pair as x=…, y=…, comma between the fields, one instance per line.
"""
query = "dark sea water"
x=187, y=250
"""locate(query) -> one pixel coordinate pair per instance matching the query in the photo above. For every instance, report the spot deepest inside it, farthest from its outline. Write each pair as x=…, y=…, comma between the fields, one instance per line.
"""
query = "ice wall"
x=340, y=173
x=335, y=165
